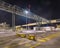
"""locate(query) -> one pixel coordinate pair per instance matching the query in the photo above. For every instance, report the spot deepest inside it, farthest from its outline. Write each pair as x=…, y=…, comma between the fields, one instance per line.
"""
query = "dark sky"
x=49, y=9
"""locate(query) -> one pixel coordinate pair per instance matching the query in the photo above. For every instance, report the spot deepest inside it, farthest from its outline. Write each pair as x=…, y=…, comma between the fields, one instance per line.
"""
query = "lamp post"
x=13, y=18
x=26, y=12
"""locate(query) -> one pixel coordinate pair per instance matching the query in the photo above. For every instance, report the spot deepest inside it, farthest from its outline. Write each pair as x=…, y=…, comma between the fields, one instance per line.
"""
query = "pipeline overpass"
x=51, y=21
x=14, y=9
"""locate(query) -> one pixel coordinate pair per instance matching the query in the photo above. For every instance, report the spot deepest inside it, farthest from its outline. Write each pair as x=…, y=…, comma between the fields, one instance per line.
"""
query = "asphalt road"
x=13, y=41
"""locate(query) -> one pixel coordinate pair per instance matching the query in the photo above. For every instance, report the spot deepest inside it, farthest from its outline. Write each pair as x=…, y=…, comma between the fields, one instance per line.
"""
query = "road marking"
x=27, y=44
x=6, y=47
x=21, y=43
x=38, y=44
x=48, y=37
x=45, y=39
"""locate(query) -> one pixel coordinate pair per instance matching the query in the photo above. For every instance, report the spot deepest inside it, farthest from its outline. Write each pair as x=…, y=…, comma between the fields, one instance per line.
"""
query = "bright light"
x=26, y=11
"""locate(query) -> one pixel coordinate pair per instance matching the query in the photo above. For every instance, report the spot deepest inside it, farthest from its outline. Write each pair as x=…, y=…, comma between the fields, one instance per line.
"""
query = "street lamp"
x=13, y=17
x=26, y=12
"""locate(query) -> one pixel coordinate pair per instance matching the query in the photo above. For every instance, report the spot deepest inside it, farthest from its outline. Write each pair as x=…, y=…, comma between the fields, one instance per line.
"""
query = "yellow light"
x=53, y=21
x=31, y=24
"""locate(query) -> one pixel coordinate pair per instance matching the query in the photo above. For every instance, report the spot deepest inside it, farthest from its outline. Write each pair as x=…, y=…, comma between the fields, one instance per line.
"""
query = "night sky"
x=49, y=9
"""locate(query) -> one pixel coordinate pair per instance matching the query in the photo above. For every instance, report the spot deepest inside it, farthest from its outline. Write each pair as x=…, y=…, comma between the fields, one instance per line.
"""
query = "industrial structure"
x=16, y=10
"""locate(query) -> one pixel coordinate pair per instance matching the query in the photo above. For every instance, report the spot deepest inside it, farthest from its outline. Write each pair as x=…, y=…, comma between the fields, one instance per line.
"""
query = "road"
x=13, y=41
x=10, y=40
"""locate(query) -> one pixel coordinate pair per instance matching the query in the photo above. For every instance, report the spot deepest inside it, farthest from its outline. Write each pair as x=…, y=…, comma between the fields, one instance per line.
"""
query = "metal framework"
x=16, y=10
x=19, y=11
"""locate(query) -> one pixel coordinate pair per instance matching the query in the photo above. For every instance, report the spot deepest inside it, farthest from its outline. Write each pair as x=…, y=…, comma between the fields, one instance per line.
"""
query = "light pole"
x=13, y=18
x=26, y=12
